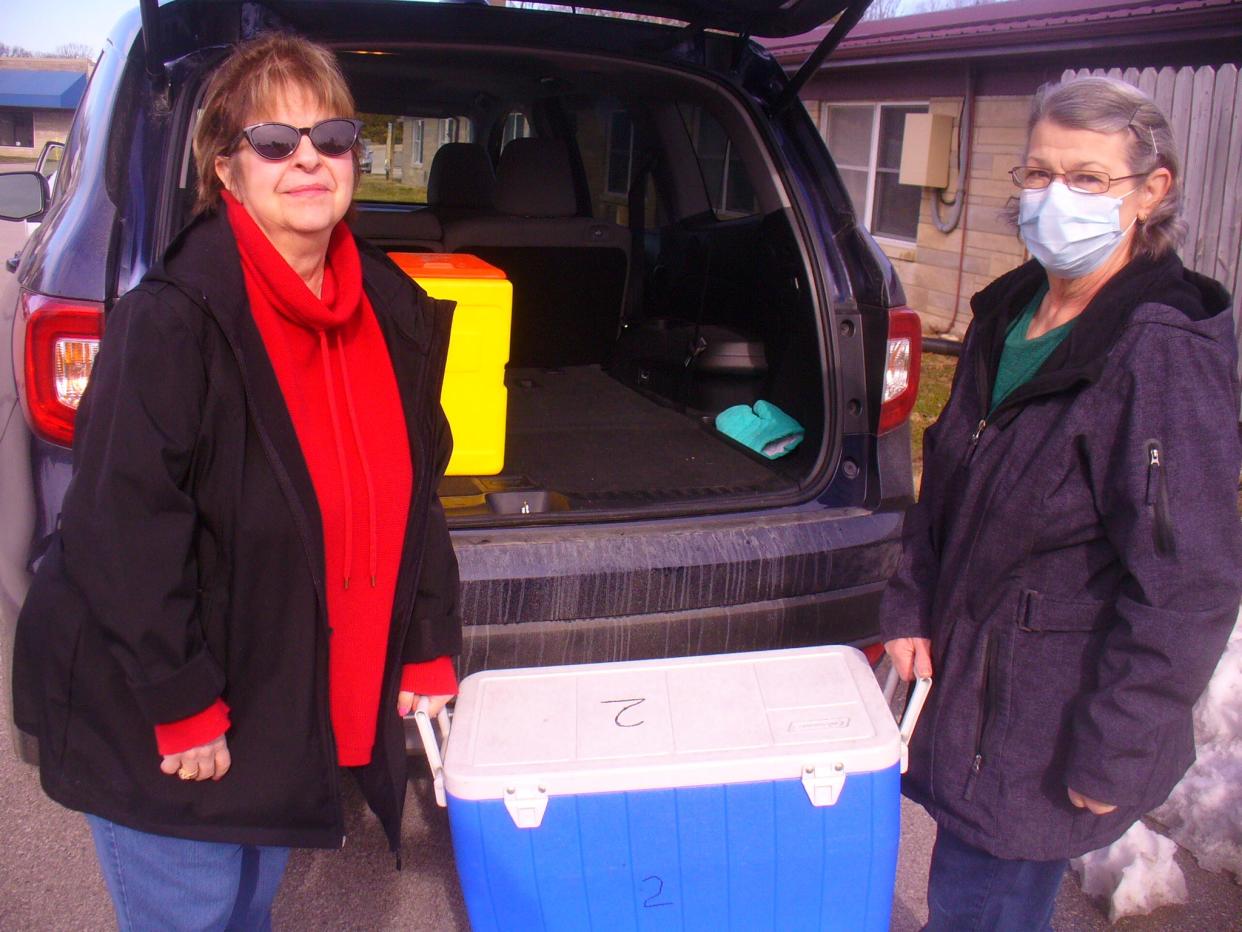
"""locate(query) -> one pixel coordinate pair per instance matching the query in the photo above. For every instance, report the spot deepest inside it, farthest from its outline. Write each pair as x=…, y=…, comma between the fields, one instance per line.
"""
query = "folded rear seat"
x=568, y=271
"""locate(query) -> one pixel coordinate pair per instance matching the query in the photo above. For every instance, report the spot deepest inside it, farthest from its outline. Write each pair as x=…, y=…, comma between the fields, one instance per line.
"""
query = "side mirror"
x=49, y=160
x=23, y=196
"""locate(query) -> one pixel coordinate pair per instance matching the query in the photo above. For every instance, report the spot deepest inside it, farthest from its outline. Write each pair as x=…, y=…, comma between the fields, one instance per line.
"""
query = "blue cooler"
x=741, y=791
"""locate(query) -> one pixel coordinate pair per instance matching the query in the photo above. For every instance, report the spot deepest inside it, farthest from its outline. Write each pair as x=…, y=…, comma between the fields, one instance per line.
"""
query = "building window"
x=17, y=128
x=865, y=141
x=448, y=130
x=516, y=127
x=420, y=133
x=724, y=175
x=620, y=153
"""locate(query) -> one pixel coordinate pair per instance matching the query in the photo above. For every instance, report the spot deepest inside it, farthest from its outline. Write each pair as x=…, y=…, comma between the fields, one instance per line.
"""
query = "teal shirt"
x=1021, y=358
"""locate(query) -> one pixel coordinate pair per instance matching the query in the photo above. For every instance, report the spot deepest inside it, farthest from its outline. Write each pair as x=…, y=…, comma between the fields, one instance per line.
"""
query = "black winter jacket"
x=189, y=566
x=1075, y=558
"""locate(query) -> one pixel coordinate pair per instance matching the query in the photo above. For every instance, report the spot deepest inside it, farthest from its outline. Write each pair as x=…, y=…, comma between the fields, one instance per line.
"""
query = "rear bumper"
x=845, y=616
x=802, y=576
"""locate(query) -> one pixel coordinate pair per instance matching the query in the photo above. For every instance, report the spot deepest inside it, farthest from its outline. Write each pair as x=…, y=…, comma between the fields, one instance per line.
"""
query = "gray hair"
x=1107, y=105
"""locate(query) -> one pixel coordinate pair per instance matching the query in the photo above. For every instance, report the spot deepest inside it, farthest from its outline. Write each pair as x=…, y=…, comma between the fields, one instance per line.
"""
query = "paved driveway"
x=49, y=878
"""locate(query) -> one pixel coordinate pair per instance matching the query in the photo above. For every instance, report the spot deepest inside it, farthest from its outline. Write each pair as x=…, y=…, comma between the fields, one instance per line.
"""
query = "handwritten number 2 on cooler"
x=650, y=902
x=653, y=900
x=631, y=703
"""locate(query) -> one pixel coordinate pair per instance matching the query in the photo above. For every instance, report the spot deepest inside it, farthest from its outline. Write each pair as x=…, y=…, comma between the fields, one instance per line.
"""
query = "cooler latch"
x=823, y=783
x=526, y=806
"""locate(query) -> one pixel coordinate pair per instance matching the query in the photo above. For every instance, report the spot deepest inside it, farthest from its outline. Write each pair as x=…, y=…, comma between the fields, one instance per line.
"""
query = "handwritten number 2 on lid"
x=651, y=901
x=629, y=704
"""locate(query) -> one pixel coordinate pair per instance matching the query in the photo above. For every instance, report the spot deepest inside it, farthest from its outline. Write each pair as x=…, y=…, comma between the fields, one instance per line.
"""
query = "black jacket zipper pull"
x=1158, y=501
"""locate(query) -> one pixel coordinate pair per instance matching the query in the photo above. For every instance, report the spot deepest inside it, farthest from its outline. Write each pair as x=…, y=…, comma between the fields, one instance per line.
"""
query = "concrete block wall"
x=948, y=268
x=49, y=126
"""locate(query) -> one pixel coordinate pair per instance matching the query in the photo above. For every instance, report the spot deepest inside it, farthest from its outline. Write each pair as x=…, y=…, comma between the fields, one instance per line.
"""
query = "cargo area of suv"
x=656, y=275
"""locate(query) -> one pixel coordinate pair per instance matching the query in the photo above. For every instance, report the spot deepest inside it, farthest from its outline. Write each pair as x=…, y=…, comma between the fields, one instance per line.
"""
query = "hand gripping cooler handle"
x=914, y=706
x=435, y=751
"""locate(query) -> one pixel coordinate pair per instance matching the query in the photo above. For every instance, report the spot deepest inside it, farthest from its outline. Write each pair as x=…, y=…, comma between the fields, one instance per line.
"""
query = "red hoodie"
x=334, y=371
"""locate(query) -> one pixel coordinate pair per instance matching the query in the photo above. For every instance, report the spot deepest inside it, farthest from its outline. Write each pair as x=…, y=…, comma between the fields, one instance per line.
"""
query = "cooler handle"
x=435, y=751
x=914, y=706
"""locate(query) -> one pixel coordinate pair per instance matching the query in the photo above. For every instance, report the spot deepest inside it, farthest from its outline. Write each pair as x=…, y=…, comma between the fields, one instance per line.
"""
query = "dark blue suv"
x=678, y=243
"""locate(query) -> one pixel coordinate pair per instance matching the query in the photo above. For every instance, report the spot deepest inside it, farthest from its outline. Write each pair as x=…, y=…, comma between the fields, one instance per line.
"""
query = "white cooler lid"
x=653, y=724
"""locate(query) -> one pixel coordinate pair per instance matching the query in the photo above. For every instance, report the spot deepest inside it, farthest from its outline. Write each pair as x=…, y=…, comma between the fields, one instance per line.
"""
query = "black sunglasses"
x=277, y=141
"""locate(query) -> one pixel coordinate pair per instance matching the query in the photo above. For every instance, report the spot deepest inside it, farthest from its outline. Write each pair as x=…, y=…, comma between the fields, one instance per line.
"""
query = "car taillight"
x=873, y=652
x=901, y=367
x=62, y=339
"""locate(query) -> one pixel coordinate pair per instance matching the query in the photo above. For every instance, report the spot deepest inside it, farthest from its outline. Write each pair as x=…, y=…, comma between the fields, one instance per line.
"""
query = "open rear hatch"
x=672, y=287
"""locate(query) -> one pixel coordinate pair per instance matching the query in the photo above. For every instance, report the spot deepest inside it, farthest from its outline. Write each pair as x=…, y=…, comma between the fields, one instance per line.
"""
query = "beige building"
x=38, y=97
x=978, y=67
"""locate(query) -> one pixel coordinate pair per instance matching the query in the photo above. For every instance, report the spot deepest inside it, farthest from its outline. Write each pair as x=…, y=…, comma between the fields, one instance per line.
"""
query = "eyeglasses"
x=278, y=141
x=1084, y=182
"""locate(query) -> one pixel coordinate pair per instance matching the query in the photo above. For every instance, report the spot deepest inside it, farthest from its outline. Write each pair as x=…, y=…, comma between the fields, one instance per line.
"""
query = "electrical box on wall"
x=925, y=150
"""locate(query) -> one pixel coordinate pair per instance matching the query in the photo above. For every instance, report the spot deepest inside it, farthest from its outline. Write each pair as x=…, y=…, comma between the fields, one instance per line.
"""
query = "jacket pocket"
x=1158, y=500
x=1040, y=612
x=46, y=655
x=989, y=700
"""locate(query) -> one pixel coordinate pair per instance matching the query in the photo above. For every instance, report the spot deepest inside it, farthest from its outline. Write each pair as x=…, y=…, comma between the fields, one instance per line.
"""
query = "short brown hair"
x=250, y=81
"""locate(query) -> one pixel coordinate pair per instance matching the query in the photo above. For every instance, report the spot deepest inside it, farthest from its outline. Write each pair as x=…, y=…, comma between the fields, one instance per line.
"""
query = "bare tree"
x=888, y=9
x=75, y=50
x=14, y=51
x=883, y=9
x=934, y=6
x=567, y=6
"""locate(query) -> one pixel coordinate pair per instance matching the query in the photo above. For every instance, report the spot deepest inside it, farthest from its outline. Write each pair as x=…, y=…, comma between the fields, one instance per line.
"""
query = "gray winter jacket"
x=1075, y=558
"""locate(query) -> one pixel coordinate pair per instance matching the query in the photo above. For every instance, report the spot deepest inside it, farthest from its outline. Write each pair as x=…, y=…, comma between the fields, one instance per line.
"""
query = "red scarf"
x=334, y=370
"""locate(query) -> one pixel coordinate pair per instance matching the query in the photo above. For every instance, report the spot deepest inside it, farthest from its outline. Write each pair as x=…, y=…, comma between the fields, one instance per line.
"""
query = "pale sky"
x=41, y=25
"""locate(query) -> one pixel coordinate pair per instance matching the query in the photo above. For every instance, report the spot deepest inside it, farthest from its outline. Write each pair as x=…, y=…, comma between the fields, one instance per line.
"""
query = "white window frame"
x=873, y=156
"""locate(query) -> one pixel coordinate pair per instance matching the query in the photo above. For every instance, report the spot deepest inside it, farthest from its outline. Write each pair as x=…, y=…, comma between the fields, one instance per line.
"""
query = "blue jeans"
x=157, y=882
x=970, y=889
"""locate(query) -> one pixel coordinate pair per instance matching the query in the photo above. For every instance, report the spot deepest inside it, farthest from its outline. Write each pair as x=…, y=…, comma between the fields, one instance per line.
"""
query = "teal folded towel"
x=765, y=428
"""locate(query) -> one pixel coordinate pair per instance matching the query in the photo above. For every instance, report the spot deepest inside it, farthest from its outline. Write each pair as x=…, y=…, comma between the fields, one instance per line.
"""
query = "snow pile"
x=1136, y=873
x=1204, y=812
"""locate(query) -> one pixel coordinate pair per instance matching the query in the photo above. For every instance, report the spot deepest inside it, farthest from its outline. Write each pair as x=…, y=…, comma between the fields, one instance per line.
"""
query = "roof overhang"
x=41, y=90
x=1021, y=28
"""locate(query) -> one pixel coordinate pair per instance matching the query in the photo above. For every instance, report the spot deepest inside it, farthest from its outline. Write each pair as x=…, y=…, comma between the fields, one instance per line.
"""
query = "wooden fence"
x=1204, y=106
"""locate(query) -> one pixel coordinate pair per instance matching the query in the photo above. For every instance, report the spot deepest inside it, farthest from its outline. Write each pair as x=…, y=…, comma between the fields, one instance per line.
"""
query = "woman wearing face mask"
x=1071, y=571
x=253, y=579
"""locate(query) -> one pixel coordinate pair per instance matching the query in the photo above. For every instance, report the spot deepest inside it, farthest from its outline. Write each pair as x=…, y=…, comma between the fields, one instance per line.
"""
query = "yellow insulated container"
x=474, y=396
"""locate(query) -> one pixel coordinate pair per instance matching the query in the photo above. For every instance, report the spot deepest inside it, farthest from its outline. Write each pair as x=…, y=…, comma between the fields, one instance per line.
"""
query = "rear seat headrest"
x=535, y=180
x=461, y=176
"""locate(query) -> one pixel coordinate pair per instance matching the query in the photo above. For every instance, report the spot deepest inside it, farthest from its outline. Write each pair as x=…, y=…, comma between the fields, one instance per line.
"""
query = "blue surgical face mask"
x=1070, y=233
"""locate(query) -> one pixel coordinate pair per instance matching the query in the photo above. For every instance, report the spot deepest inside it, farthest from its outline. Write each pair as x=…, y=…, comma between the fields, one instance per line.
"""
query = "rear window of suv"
x=398, y=150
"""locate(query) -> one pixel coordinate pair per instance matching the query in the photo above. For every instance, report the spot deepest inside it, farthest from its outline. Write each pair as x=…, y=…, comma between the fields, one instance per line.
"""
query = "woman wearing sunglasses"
x=253, y=581
x=1071, y=571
